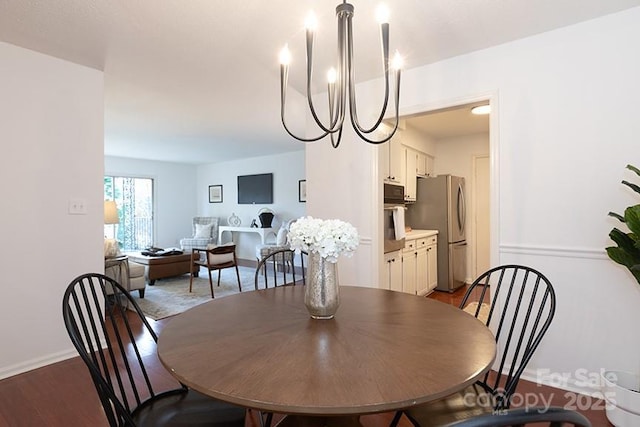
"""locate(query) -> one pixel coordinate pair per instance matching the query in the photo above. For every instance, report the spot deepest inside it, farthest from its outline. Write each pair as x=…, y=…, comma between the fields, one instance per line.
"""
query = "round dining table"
x=383, y=351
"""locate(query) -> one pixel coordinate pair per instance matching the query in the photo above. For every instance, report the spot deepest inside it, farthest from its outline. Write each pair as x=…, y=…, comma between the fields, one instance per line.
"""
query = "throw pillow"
x=203, y=231
x=111, y=248
x=281, y=238
x=219, y=258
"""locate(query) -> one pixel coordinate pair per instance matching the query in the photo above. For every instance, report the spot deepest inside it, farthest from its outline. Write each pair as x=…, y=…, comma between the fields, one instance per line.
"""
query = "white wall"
x=342, y=183
x=51, y=132
x=566, y=125
x=287, y=170
x=415, y=139
x=175, y=195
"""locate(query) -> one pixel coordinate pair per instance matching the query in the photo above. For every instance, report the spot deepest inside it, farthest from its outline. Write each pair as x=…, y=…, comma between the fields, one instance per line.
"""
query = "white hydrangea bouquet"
x=330, y=238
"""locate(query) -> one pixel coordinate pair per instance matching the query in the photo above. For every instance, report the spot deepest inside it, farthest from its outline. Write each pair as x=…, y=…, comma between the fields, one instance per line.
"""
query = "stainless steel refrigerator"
x=440, y=205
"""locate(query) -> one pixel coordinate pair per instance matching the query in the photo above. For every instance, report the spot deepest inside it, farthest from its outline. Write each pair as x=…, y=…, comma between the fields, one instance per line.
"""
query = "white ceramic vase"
x=620, y=390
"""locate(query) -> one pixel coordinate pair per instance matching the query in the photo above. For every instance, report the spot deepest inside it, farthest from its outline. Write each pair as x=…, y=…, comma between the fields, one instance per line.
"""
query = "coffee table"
x=161, y=267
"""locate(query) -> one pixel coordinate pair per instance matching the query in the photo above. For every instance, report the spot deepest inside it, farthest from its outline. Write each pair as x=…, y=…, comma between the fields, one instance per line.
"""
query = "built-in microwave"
x=393, y=194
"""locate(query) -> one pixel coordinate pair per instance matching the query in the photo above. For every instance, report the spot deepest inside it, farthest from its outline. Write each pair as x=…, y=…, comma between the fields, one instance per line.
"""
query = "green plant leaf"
x=627, y=253
x=632, y=186
x=616, y=215
x=622, y=257
x=633, y=168
x=632, y=218
x=624, y=241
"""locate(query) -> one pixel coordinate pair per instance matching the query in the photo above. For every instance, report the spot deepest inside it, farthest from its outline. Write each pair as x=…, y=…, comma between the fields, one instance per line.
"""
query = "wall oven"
x=393, y=215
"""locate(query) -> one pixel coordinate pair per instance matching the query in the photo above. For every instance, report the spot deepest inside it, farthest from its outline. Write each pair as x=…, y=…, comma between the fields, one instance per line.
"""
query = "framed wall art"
x=302, y=190
x=215, y=194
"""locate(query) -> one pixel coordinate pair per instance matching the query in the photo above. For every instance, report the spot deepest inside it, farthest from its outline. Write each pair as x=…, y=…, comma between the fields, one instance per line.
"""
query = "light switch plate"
x=77, y=207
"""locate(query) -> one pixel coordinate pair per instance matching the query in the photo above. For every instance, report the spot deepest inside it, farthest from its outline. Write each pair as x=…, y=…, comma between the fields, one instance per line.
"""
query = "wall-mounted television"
x=255, y=189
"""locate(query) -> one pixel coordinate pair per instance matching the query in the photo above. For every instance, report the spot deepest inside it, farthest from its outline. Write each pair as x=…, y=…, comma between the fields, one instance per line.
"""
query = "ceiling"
x=450, y=122
x=198, y=81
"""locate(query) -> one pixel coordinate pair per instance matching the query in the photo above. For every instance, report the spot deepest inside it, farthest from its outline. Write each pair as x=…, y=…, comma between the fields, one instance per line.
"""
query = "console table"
x=263, y=232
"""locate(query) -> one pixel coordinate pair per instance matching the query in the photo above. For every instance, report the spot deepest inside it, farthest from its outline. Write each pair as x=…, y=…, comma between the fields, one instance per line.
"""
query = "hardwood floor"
x=62, y=394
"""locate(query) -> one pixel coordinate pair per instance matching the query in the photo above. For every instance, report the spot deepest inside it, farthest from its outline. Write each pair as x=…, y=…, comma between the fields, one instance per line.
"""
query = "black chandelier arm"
x=352, y=91
x=284, y=74
x=396, y=120
x=336, y=141
x=334, y=122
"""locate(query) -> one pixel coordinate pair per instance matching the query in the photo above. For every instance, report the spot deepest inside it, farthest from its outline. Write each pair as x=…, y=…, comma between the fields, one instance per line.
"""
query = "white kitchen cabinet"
x=393, y=162
x=392, y=278
x=413, y=269
x=424, y=164
x=432, y=264
x=427, y=265
x=411, y=182
x=409, y=255
x=421, y=266
x=429, y=164
x=421, y=164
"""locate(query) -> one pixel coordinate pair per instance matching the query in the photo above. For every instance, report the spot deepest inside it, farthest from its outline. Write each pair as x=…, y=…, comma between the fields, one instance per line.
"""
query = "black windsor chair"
x=556, y=417
x=280, y=268
x=518, y=304
x=124, y=384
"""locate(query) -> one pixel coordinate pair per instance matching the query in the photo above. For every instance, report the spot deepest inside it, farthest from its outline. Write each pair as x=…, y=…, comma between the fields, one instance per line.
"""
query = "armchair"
x=205, y=232
x=129, y=274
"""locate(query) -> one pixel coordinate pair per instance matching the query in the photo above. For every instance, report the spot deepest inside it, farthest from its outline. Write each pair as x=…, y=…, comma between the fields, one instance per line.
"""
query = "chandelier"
x=341, y=81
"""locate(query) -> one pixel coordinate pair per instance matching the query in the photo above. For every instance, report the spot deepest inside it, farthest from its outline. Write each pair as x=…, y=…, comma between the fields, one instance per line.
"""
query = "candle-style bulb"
x=397, y=61
x=311, y=23
x=382, y=14
x=332, y=76
x=285, y=55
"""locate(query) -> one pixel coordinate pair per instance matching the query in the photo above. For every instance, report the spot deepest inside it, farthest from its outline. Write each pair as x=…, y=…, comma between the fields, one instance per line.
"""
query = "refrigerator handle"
x=461, y=209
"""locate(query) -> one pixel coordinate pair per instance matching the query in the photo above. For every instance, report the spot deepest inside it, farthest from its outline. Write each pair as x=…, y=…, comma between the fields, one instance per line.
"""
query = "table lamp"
x=111, y=212
x=110, y=217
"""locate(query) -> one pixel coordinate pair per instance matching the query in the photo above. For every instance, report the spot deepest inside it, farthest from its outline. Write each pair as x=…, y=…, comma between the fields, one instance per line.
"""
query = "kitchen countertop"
x=420, y=234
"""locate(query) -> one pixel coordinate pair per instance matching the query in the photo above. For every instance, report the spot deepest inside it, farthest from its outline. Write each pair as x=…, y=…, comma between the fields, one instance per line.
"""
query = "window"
x=134, y=197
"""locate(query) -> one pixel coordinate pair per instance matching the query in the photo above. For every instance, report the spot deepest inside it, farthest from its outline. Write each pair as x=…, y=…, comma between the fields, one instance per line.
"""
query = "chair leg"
x=210, y=283
x=265, y=418
x=193, y=269
x=238, y=276
x=219, y=270
x=396, y=419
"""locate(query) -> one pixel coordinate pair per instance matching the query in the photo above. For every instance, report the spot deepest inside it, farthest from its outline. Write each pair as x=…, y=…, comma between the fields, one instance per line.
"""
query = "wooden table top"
x=383, y=351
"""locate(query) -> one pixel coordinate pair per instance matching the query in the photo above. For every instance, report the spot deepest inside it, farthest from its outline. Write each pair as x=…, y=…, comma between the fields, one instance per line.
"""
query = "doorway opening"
x=462, y=144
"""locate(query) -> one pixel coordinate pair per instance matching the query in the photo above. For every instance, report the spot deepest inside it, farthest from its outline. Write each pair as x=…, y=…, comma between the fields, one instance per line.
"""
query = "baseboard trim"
x=30, y=365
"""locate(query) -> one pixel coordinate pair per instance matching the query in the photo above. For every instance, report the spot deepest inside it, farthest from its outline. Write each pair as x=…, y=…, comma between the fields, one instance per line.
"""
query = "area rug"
x=171, y=296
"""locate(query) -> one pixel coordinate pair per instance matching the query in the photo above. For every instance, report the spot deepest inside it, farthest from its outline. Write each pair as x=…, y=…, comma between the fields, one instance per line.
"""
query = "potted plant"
x=622, y=389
